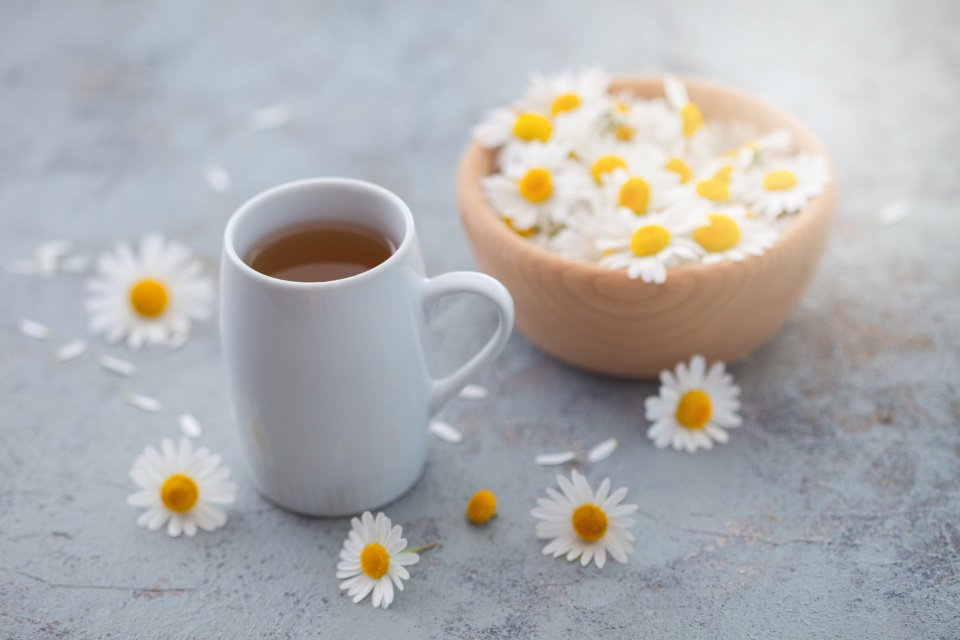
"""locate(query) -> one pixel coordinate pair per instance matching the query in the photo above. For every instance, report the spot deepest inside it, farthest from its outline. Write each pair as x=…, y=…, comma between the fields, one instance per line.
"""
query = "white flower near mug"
x=374, y=559
x=150, y=297
x=181, y=488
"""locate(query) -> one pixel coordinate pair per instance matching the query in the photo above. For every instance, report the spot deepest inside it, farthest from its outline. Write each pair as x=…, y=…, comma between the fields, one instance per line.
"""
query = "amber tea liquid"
x=319, y=252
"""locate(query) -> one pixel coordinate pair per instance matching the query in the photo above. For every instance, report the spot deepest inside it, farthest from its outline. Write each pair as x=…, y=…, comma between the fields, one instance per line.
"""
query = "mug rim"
x=244, y=210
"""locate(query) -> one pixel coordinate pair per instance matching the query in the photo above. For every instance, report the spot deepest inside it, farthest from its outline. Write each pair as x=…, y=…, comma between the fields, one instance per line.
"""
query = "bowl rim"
x=473, y=204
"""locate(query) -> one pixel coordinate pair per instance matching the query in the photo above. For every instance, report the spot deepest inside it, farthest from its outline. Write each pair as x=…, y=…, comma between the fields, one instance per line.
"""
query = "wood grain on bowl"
x=599, y=319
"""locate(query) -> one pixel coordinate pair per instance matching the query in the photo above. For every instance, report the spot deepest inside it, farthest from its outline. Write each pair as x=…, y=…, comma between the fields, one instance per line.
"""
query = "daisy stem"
x=421, y=548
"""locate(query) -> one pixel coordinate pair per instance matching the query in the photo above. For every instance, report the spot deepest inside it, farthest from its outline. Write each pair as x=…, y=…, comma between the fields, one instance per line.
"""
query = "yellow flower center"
x=374, y=560
x=622, y=106
x=589, y=522
x=715, y=189
x=635, y=195
x=523, y=233
x=779, y=181
x=179, y=493
x=694, y=410
x=680, y=168
x=605, y=165
x=536, y=185
x=481, y=506
x=148, y=298
x=566, y=102
x=721, y=234
x=692, y=119
x=724, y=173
x=649, y=240
x=532, y=126
x=623, y=132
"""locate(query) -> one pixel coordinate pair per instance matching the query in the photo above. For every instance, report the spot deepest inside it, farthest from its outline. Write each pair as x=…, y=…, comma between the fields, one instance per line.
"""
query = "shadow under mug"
x=328, y=380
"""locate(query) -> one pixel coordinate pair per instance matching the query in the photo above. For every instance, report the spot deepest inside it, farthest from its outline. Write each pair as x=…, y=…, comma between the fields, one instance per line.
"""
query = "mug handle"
x=442, y=389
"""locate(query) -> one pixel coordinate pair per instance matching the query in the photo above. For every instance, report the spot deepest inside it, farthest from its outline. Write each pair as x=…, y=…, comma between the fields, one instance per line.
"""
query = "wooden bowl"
x=598, y=319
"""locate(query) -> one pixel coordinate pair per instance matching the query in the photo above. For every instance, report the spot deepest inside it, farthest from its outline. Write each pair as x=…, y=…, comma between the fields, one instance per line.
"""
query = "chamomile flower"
x=181, y=488
x=727, y=138
x=695, y=406
x=629, y=119
x=646, y=245
x=481, y=507
x=642, y=189
x=761, y=149
x=150, y=297
x=600, y=156
x=373, y=559
x=706, y=191
x=536, y=185
x=783, y=185
x=578, y=238
x=731, y=235
x=507, y=125
x=566, y=92
x=582, y=524
x=690, y=117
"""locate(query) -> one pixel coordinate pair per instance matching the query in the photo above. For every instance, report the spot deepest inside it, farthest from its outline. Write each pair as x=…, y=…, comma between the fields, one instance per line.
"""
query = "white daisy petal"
x=178, y=340
x=47, y=256
x=549, y=459
x=602, y=451
x=71, y=350
x=893, y=212
x=33, y=329
x=218, y=178
x=474, y=392
x=190, y=426
x=116, y=365
x=445, y=431
x=75, y=264
x=271, y=117
x=142, y=402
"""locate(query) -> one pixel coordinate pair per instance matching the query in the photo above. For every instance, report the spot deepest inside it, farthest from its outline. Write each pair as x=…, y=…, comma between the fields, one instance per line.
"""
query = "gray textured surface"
x=832, y=513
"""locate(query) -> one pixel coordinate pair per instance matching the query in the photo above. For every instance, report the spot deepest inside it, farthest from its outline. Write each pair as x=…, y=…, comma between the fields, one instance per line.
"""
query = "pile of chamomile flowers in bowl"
x=640, y=184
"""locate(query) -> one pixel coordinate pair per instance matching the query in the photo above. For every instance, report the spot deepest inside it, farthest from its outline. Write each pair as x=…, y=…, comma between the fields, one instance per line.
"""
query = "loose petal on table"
x=603, y=450
x=70, y=350
x=145, y=403
x=48, y=254
x=218, y=178
x=445, y=432
x=116, y=365
x=178, y=340
x=33, y=329
x=272, y=117
x=550, y=459
x=190, y=426
x=75, y=264
x=474, y=392
x=893, y=212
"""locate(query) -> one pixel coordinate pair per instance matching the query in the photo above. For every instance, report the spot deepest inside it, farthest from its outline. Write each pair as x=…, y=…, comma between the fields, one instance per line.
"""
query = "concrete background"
x=832, y=513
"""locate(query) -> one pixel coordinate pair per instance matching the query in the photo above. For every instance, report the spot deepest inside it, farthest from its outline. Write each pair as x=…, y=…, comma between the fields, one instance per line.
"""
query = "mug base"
x=338, y=504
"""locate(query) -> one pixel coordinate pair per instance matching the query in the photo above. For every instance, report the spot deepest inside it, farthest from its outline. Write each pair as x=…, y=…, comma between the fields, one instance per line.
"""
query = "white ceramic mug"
x=328, y=380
